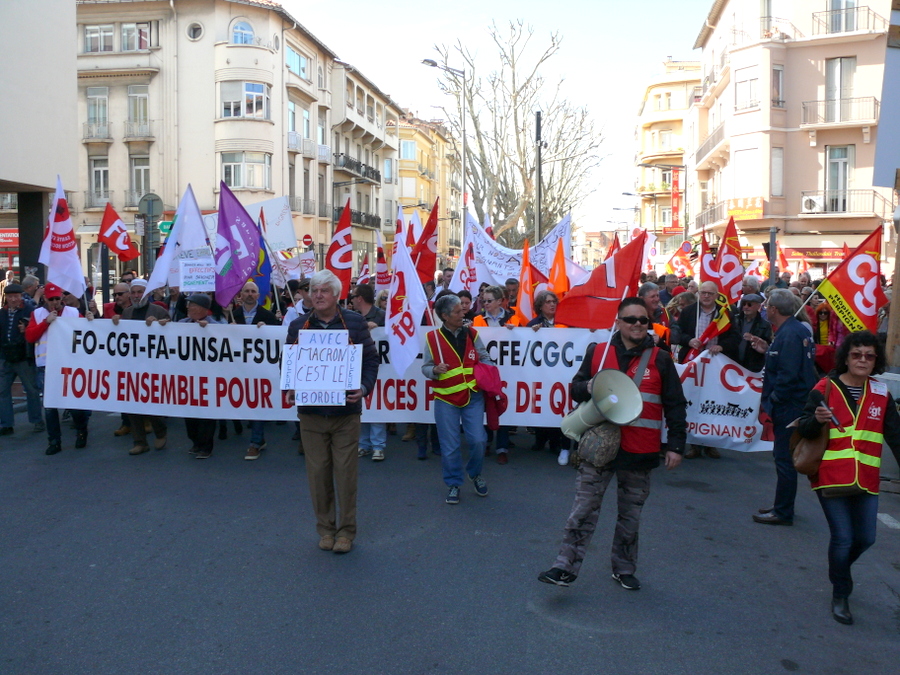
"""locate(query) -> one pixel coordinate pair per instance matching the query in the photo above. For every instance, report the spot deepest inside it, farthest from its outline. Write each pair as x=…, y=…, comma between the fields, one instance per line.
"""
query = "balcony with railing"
x=293, y=141
x=851, y=202
x=371, y=173
x=305, y=206
x=347, y=163
x=9, y=201
x=133, y=197
x=97, y=132
x=309, y=148
x=710, y=216
x=360, y=218
x=97, y=199
x=848, y=20
x=325, y=210
x=776, y=28
x=324, y=153
x=138, y=131
x=454, y=215
x=860, y=111
x=710, y=143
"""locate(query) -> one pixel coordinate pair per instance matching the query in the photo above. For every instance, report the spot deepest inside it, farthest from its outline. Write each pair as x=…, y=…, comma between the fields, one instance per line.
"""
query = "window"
x=321, y=77
x=246, y=99
x=138, y=113
x=841, y=159
x=388, y=171
x=292, y=116
x=247, y=170
x=140, y=178
x=778, y=172
x=745, y=89
x=665, y=215
x=777, y=86
x=242, y=33
x=195, y=31
x=667, y=176
x=135, y=36
x=839, y=76
x=297, y=63
x=98, y=38
x=322, y=127
x=307, y=123
x=665, y=139
x=98, y=105
x=408, y=150
x=99, y=179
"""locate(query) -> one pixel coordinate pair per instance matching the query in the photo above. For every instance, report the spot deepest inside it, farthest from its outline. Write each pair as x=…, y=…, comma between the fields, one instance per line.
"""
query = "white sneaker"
x=563, y=458
x=363, y=452
x=378, y=456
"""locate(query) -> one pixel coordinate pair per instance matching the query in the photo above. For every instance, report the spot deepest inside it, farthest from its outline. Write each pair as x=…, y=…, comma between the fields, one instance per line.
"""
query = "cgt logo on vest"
x=874, y=412
x=403, y=324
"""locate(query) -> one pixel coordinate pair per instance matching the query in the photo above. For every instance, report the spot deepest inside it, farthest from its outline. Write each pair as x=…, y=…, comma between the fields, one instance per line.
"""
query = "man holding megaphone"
x=662, y=397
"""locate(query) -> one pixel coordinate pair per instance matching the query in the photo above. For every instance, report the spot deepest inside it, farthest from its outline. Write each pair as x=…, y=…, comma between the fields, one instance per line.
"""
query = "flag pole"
x=612, y=331
x=273, y=258
x=805, y=303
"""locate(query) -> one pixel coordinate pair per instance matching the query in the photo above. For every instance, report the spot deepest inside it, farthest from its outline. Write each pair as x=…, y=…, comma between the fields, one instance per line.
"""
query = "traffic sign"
x=150, y=205
x=307, y=240
x=165, y=226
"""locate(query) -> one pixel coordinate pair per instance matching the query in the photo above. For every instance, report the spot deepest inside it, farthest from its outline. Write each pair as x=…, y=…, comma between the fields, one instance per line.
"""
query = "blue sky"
x=608, y=53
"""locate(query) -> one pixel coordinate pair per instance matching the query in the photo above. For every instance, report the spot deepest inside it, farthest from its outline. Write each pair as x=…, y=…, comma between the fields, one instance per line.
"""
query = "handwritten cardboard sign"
x=322, y=367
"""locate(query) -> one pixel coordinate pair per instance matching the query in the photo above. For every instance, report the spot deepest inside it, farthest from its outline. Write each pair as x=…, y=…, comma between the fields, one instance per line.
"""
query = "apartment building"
x=660, y=155
x=202, y=91
x=429, y=167
x=783, y=128
x=365, y=122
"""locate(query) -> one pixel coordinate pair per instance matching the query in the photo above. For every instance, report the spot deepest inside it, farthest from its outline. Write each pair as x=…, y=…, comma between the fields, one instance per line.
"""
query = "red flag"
x=339, y=258
x=59, y=250
x=853, y=290
x=364, y=273
x=594, y=303
x=115, y=236
x=530, y=278
x=613, y=248
x=559, y=278
x=424, y=254
x=782, y=261
x=728, y=266
x=708, y=271
x=719, y=324
x=846, y=251
x=382, y=274
x=680, y=263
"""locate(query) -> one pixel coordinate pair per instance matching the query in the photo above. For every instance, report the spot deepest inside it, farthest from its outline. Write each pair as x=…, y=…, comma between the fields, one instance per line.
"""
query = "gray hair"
x=445, y=304
x=752, y=282
x=647, y=287
x=782, y=301
x=29, y=281
x=326, y=278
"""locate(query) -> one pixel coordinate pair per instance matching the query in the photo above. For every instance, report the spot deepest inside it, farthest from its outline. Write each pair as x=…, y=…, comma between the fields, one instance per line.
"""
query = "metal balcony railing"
x=776, y=28
x=370, y=172
x=862, y=109
x=848, y=20
x=309, y=148
x=97, y=199
x=324, y=210
x=133, y=197
x=293, y=141
x=342, y=161
x=138, y=129
x=9, y=201
x=308, y=207
x=358, y=217
x=711, y=141
x=324, y=154
x=710, y=216
x=97, y=130
x=846, y=201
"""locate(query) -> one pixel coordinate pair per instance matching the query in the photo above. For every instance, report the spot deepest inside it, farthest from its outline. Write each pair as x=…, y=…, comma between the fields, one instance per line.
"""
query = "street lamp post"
x=462, y=75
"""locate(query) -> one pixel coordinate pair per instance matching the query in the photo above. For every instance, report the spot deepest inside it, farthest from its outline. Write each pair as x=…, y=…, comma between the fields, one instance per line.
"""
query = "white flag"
x=59, y=250
x=406, y=305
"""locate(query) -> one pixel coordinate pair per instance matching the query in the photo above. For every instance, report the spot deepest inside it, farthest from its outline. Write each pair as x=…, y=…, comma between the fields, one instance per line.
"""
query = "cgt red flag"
x=424, y=254
x=115, y=236
x=728, y=266
x=339, y=258
x=594, y=303
x=614, y=247
x=708, y=270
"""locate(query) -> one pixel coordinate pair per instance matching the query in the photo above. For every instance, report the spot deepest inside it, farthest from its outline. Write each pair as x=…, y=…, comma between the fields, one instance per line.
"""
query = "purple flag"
x=237, y=247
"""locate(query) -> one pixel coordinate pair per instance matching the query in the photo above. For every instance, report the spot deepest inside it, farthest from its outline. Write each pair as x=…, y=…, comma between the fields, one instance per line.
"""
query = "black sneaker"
x=480, y=485
x=557, y=576
x=453, y=495
x=628, y=581
x=53, y=448
x=81, y=439
x=203, y=454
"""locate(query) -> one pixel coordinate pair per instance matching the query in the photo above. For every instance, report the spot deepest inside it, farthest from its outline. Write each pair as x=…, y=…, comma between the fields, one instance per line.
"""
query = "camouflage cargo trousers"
x=633, y=490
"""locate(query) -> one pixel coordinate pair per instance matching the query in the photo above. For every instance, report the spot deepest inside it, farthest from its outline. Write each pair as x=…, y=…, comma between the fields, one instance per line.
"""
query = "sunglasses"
x=862, y=356
x=120, y=293
x=643, y=320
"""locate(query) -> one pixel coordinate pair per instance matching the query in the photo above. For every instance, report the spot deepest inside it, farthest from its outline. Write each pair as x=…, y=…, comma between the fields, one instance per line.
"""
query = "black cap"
x=200, y=299
x=13, y=288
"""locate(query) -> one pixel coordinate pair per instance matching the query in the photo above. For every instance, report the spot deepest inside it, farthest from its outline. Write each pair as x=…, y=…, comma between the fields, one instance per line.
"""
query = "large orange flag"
x=559, y=280
x=529, y=278
x=853, y=290
x=594, y=303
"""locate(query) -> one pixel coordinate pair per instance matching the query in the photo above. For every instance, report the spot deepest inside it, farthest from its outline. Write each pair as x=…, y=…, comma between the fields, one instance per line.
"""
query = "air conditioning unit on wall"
x=813, y=204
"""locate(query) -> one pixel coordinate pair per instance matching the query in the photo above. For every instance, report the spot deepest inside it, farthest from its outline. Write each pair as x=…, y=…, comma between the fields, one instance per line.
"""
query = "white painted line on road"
x=890, y=521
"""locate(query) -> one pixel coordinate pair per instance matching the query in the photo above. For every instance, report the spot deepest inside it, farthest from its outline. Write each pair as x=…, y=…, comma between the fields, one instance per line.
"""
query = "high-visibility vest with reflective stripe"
x=457, y=384
x=853, y=457
x=644, y=435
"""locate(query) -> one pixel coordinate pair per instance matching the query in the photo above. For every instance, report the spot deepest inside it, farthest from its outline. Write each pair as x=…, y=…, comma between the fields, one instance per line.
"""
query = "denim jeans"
x=852, y=522
x=423, y=431
x=448, y=418
x=786, y=485
x=373, y=436
x=51, y=415
x=257, y=432
x=24, y=370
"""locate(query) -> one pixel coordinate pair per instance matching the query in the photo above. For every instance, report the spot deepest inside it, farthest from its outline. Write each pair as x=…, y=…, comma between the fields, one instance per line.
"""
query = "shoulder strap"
x=642, y=366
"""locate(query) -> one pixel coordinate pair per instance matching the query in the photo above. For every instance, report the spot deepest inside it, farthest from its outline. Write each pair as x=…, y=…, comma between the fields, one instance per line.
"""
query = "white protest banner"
x=321, y=367
x=198, y=275
x=279, y=225
x=724, y=410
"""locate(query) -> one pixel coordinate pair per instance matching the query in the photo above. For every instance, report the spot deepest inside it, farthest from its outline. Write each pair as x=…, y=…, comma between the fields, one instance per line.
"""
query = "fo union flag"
x=853, y=290
x=406, y=305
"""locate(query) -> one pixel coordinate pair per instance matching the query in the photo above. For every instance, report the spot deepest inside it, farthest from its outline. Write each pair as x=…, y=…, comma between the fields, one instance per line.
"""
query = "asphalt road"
x=165, y=564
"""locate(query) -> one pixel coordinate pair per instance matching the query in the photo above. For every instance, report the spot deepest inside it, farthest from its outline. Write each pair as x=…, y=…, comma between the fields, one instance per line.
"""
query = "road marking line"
x=890, y=521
